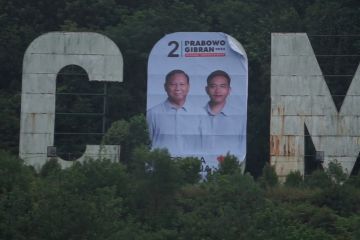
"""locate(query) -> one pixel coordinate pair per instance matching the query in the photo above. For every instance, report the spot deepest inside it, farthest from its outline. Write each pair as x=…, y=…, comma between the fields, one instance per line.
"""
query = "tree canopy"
x=159, y=198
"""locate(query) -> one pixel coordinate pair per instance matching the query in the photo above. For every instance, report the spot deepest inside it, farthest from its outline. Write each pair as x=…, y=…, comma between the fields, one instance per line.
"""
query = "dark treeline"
x=135, y=26
x=156, y=197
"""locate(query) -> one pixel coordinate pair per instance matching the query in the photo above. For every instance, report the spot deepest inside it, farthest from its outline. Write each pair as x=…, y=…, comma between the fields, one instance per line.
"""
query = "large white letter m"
x=300, y=97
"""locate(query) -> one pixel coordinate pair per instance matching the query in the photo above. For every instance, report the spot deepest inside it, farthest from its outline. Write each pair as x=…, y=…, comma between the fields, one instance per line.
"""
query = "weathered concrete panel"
x=36, y=142
x=73, y=43
x=354, y=89
x=34, y=148
x=294, y=44
x=300, y=96
x=294, y=66
x=351, y=105
x=97, y=66
x=43, y=59
x=286, y=125
x=334, y=145
x=286, y=145
x=40, y=83
x=296, y=105
x=301, y=105
x=322, y=105
x=38, y=103
x=324, y=125
x=37, y=123
x=290, y=85
x=332, y=125
x=286, y=164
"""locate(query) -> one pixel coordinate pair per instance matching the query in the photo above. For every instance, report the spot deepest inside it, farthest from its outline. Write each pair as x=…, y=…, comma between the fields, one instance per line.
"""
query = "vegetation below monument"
x=156, y=197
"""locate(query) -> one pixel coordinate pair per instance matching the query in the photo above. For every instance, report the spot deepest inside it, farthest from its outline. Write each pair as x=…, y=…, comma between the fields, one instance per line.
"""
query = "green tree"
x=336, y=172
x=318, y=179
x=50, y=168
x=277, y=222
x=156, y=179
x=220, y=208
x=228, y=164
x=83, y=201
x=128, y=134
x=16, y=183
x=190, y=169
x=9, y=121
x=294, y=179
x=268, y=178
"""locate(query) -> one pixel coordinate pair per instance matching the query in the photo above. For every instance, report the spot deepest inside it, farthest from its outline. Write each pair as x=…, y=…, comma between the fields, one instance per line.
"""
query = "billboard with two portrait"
x=197, y=96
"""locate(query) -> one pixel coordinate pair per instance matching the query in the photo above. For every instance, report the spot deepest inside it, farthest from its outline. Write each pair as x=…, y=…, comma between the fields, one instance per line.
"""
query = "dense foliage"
x=159, y=198
x=135, y=26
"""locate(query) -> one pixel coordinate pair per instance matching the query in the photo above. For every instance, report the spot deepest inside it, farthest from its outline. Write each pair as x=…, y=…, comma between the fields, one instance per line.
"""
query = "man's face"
x=218, y=89
x=177, y=88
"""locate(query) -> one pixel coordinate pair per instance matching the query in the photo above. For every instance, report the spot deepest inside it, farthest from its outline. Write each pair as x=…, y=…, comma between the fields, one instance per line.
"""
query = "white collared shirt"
x=223, y=133
x=177, y=129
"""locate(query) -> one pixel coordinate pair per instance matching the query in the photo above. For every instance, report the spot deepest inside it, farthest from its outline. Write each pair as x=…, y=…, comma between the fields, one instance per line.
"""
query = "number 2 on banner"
x=174, y=49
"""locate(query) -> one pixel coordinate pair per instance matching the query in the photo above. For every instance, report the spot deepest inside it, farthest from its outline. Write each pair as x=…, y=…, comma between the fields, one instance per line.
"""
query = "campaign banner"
x=197, y=96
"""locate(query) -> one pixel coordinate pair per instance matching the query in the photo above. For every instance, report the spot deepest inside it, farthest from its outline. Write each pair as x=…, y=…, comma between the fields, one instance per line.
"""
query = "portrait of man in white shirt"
x=223, y=127
x=174, y=124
